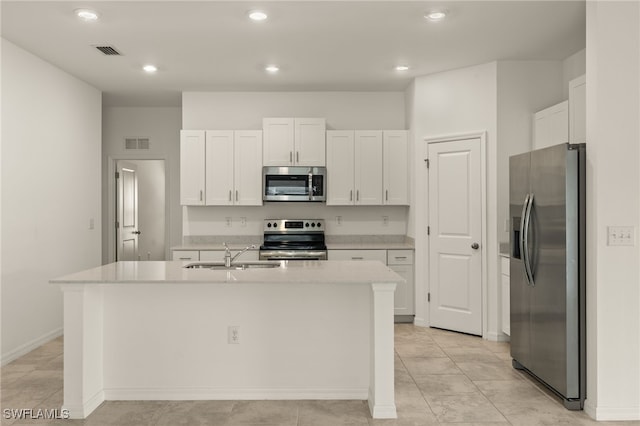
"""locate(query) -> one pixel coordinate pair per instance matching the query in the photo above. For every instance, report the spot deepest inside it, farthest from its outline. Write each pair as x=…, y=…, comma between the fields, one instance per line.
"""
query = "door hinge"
x=426, y=160
x=428, y=230
x=117, y=175
x=428, y=297
x=117, y=224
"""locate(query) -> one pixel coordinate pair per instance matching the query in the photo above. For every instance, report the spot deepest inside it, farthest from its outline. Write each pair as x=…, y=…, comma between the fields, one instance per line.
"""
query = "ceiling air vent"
x=108, y=50
x=136, y=143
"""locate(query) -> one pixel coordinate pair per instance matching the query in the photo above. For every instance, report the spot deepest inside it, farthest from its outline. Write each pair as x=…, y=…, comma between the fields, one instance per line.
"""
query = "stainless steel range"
x=293, y=239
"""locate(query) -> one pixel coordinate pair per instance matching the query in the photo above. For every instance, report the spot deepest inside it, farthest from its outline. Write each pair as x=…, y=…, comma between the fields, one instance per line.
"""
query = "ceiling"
x=318, y=45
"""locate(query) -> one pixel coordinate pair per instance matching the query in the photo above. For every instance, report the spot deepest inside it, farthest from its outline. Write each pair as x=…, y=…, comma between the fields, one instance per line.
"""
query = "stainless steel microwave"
x=294, y=183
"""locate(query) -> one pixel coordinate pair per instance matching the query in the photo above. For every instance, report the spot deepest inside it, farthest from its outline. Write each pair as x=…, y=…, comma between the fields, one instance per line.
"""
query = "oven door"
x=293, y=184
x=293, y=255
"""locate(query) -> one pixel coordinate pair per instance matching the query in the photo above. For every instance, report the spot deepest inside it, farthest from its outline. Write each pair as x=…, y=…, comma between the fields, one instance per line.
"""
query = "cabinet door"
x=310, y=142
x=578, y=110
x=395, y=167
x=248, y=168
x=368, y=167
x=551, y=126
x=192, y=167
x=278, y=141
x=403, y=297
x=219, y=167
x=340, y=160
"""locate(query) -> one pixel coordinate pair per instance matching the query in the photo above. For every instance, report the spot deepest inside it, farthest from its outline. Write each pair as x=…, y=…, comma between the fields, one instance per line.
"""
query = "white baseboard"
x=496, y=337
x=611, y=413
x=184, y=394
x=420, y=322
x=382, y=411
x=29, y=346
x=81, y=411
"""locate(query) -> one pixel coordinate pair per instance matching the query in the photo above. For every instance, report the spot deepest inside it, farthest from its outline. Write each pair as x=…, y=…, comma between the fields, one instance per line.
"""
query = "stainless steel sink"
x=219, y=266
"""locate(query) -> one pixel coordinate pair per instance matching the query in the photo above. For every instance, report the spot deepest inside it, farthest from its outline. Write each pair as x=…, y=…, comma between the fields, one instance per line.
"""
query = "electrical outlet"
x=339, y=220
x=243, y=221
x=92, y=223
x=227, y=222
x=233, y=336
x=385, y=220
x=621, y=236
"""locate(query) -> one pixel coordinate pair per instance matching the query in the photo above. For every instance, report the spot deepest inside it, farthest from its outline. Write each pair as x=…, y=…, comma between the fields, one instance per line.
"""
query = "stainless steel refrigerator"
x=547, y=268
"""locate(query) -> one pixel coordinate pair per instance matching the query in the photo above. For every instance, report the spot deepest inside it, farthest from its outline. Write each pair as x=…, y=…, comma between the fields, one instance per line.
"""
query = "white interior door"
x=455, y=221
x=127, y=223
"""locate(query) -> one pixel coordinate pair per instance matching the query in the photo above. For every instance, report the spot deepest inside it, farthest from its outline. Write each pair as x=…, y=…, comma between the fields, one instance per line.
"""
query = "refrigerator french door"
x=547, y=268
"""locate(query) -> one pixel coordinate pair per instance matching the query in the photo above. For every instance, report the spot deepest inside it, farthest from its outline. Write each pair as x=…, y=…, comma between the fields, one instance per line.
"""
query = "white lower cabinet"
x=506, y=294
x=185, y=255
x=400, y=261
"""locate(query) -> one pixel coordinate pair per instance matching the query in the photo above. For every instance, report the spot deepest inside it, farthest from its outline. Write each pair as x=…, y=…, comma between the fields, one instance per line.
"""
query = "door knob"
x=475, y=246
x=137, y=232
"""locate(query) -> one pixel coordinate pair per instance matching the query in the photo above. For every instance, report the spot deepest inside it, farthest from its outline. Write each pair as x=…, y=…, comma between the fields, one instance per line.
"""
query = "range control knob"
x=313, y=225
x=275, y=225
x=319, y=224
x=306, y=224
x=269, y=225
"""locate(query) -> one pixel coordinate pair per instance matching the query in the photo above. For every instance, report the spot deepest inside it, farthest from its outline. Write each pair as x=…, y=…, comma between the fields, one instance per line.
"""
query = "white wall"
x=454, y=102
x=162, y=127
x=245, y=110
x=613, y=198
x=572, y=67
x=50, y=193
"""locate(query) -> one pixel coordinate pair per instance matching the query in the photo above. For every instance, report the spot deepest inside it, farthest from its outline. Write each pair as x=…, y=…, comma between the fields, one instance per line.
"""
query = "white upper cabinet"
x=551, y=126
x=221, y=168
x=192, y=167
x=294, y=141
x=340, y=161
x=354, y=167
x=247, y=165
x=395, y=170
x=578, y=110
x=368, y=167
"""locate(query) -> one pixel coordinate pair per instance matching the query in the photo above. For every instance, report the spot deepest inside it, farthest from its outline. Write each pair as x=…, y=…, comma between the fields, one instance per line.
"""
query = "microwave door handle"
x=310, y=185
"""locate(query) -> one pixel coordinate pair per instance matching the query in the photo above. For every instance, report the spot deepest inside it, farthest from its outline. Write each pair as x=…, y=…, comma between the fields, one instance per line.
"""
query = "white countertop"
x=302, y=272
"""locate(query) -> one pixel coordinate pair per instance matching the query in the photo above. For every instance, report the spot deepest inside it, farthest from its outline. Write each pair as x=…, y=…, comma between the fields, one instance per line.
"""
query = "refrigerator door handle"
x=523, y=218
x=526, y=256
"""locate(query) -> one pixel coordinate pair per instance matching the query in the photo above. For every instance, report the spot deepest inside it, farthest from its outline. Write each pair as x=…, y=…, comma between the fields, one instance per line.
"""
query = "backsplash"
x=339, y=220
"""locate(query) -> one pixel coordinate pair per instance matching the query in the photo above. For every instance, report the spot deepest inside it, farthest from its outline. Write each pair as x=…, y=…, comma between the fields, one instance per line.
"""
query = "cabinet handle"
x=297, y=156
x=351, y=195
x=357, y=258
x=386, y=195
x=185, y=258
x=201, y=195
x=230, y=196
x=236, y=195
x=357, y=195
x=291, y=157
x=400, y=257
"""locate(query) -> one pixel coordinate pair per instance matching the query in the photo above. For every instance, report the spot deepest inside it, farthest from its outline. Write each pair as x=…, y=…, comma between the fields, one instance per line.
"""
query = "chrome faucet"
x=228, y=259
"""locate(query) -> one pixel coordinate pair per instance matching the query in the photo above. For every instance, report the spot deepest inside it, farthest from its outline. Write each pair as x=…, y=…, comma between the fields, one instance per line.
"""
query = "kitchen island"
x=159, y=331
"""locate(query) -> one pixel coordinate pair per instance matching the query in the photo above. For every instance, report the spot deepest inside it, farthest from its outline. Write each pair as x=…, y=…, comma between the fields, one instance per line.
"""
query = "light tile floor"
x=441, y=378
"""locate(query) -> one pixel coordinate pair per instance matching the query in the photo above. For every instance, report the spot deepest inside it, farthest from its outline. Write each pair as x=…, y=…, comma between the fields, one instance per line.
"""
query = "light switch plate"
x=621, y=236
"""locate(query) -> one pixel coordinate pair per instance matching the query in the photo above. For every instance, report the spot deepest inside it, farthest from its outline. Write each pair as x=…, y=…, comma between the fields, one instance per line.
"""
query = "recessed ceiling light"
x=150, y=68
x=436, y=15
x=271, y=68
x=402, y=68
x=87, y=15
x=257, y=15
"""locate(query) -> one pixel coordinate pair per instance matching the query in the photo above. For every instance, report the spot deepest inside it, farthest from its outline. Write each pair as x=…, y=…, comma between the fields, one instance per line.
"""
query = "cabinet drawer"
x=379, y=255
x=186, y=255
x=218, y=255
x=504, y=265
x=400, y=257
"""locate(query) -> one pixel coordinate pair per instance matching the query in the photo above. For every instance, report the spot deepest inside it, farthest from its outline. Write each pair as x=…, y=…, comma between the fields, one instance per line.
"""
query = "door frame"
x=482, y=136
x=109, y=199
